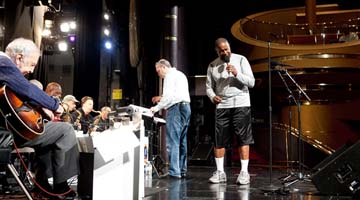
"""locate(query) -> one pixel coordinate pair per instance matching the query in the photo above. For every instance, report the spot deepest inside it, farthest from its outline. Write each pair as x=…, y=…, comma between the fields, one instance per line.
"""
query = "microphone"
x=278, y=68
x=274, y=63
x=226, y=59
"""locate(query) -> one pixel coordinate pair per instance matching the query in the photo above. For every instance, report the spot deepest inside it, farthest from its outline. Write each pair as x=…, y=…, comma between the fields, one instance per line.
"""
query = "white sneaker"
x=243, y=178
x=218, y=177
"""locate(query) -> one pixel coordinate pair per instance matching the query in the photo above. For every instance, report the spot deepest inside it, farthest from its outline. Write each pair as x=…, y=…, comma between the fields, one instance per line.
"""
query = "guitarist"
x=56, y=148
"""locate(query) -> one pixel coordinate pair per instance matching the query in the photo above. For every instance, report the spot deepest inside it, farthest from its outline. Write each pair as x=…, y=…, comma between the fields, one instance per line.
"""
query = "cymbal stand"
x=290, y=98
x=300, y=176
x=288, y=133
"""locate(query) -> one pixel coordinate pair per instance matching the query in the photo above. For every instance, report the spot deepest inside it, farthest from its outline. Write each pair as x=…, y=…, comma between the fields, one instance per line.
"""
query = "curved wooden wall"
x=327, y=70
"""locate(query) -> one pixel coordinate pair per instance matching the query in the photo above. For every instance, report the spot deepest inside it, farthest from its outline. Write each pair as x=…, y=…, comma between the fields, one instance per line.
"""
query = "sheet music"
x=142, y=110
x=146, y=112
x=159, y=120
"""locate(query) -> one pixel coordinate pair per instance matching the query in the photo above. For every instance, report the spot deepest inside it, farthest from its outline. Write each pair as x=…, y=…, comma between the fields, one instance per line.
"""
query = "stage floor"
x=196, y=187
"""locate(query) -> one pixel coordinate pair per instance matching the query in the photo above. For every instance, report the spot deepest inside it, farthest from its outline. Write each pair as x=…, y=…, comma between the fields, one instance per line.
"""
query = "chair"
x=5, y=159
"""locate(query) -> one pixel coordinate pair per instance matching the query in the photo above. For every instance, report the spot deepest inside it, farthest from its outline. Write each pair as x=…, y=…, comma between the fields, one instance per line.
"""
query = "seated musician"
x=57, y=142
x=37, y=83
x=102, y=122
x=54, y=89
x=69, y=103
x=82, y=117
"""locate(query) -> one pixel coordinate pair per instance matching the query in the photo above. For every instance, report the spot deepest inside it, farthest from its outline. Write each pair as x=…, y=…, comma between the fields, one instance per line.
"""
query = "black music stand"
x=152, y=125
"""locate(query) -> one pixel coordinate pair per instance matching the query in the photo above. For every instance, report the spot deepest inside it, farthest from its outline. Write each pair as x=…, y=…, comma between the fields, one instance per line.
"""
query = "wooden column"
x=310, y=6
x=171, y=35
x=169, y=52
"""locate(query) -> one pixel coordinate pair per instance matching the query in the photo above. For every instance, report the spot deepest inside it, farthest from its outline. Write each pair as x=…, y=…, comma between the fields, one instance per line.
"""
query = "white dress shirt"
x=175, y=90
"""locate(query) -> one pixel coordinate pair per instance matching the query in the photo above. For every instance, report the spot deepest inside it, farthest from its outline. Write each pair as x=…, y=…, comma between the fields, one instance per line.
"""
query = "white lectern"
x=118, y=170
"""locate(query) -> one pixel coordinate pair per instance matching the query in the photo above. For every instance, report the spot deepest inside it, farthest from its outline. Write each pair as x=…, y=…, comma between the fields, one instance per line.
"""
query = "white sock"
x=244, y=165
x=220, y=164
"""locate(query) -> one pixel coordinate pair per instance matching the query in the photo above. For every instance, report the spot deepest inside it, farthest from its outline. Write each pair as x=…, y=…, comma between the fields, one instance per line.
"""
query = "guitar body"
x=20, y=117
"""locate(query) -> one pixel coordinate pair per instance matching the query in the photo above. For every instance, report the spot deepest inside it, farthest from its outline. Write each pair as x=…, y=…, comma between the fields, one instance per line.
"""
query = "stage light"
x=72, y=25
x=48, y=23
x=72, y=38
x=106, y=16
x=62, y=45
x=108, y=45
x=106, y=32
x=49, y=18
x=64, y=27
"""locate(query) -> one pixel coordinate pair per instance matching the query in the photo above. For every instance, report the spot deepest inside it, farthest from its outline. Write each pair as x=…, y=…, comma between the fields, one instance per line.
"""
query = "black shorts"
x=233, y=120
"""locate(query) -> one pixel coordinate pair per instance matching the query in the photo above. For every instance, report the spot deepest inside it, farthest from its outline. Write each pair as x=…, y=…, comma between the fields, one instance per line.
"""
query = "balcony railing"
x=292, y=33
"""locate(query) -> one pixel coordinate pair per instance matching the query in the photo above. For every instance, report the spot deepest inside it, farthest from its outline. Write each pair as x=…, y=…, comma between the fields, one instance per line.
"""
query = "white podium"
x=118, y=171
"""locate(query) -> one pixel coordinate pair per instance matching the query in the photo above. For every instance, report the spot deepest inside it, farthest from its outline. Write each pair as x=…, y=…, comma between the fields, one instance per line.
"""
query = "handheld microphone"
x=227, y=60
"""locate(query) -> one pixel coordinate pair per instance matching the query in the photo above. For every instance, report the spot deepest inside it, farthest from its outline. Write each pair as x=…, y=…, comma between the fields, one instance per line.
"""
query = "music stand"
x=300, y=175
x=152, y=124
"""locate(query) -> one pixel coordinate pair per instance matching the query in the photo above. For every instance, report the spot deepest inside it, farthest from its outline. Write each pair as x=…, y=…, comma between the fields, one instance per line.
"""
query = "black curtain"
x=87, y=49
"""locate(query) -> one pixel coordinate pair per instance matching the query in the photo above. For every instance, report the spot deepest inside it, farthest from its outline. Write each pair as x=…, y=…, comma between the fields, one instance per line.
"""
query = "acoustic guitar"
x=20, y=117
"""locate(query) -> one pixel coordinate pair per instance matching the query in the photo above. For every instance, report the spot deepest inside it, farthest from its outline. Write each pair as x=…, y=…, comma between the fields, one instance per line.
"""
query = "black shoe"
x=65, y=191
x=183, y=175
x=39, y=187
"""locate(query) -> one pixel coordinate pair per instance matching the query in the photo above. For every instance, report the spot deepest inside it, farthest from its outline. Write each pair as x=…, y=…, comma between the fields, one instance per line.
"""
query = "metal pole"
x=270, y=187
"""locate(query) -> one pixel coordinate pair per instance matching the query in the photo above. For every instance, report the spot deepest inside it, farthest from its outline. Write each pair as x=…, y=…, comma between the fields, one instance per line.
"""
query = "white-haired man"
x=175, y=99
x=56, y=148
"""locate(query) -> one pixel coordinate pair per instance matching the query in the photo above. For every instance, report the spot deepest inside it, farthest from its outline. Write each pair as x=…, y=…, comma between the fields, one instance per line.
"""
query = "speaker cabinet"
x=339, y=174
